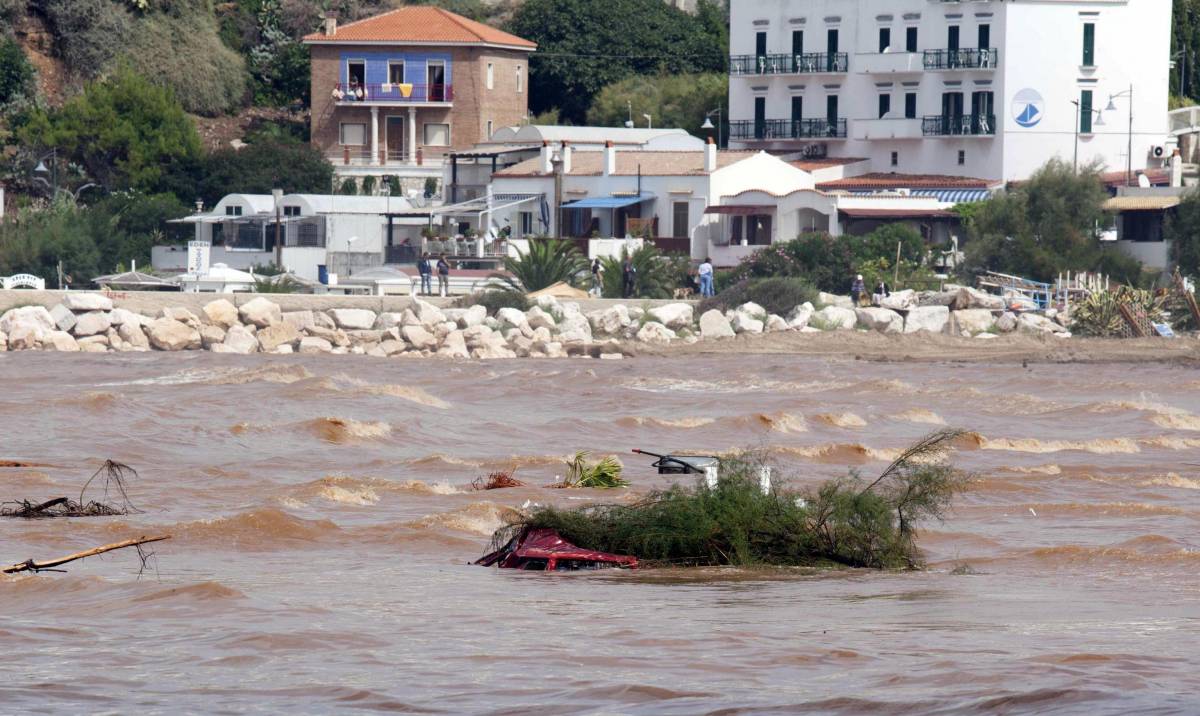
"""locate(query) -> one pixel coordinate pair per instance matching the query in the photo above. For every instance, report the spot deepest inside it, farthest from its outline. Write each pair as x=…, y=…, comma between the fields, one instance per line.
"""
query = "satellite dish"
x=1143, y=181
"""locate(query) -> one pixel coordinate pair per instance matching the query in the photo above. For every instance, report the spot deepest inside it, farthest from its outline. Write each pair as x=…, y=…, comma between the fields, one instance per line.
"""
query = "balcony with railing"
x=392, y=94
x=962, y=59
x=805, y=63
x=785, y=129
x=361, y=156
x=966, y=125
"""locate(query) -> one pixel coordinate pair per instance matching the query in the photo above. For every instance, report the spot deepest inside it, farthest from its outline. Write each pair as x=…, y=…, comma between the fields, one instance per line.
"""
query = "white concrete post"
x=412, y=136
x=764, y=479
x=374, y=136
x=710, y=476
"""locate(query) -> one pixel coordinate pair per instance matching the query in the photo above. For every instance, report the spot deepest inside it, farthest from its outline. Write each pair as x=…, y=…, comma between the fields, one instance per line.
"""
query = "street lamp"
x=1098, y=123
x=278, y=195
x=52, y=171
x=1112, y=107
x=709, y=125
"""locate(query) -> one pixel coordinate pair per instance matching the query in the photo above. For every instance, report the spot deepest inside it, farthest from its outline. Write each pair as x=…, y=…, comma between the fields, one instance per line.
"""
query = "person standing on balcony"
x=423, y=269
x=705, y=272
x=443, y=271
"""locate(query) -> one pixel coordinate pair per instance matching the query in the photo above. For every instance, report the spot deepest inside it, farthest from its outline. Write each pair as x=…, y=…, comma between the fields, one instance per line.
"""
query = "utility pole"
x=278, y=194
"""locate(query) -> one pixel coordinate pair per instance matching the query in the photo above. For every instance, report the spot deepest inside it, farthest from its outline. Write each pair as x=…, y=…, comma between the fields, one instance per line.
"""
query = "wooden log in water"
x=32, y=566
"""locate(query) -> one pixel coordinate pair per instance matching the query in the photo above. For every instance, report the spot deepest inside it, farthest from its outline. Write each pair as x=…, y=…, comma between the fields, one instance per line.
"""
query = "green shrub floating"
x=843, y=522
x=776, y=295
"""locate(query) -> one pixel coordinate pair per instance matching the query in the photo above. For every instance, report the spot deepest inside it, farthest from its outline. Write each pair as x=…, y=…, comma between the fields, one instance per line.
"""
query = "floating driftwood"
x=30, y=565
x=843, y=522
x=116, y=476
x=496, y=481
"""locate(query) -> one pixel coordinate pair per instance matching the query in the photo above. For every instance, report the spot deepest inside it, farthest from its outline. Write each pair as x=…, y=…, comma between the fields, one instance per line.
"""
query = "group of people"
x=858, y=291
x=427, y=266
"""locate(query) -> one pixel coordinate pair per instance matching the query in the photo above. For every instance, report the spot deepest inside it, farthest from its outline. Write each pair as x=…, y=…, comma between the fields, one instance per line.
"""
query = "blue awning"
x=608, y=202
x=954, y=196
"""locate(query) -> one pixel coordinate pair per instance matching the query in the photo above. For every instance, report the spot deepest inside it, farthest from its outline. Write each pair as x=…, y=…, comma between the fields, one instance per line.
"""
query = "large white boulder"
x=181, y=314
x=800, y=316
x=220, y=312
x=353, y=319
x=60, y=341
x=419, y=338
x=883, y=320
x=655, y=333
x=302, y=320
x=972, y=321
x=281, y=334
x=1007, y=322
x=1034, y=323
x=26, y=336
x=713, y=324
x=132, y=334
x=674, y=315
x=241, y=340
x=260, y=312
x=388, y=320
x=493, y=347
x=211, y=336
x=120, y=317
x=64, y=318
x=752, y=309
x=3, y=342
x=974, y=298
x=82, y=301
x=776, y=324
x=900, y=300
x=830, y=299
x=312, y=344
x=836, y=318
x=27, y=315
x=473, y=316
x=428, y=314
x=512, y=317
x=927, y=318
x=744, y=322
x=454, y=346
x=167, y=334
x=91, y=323
x=538, y=317
x=615, y=319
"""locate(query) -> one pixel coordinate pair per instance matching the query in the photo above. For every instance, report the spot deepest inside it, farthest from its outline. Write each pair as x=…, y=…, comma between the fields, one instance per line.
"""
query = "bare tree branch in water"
x=30, y=565
x=116, y=477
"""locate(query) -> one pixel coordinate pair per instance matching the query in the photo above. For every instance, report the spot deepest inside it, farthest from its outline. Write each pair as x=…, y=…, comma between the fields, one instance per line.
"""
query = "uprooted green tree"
x=848, y=522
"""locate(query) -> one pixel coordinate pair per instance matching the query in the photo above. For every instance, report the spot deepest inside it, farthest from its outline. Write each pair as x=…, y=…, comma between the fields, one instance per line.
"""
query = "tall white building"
x=981, y=88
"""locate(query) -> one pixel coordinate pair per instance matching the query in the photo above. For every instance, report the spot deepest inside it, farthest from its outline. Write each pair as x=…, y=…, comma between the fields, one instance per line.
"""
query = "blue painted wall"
x=377, y=65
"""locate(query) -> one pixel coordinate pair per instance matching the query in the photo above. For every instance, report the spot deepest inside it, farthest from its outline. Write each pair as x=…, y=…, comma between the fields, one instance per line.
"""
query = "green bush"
x=16, y=74
x=184, y=53
x=777, y=295
x=494, y=300
x=87, y=33
x=368, y=186
x=658, y=274
x=34, y=241
x=547, y=262
x=843, y=522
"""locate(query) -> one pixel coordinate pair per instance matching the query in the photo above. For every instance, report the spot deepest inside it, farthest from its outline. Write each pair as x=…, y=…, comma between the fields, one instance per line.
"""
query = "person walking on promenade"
x=443, y=272
x=423, y=269
x=597, y=278
x=857, y=290
x=705, y=273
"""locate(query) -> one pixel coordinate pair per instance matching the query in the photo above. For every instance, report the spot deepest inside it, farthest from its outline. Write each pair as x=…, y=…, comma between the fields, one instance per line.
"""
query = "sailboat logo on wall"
x=1027, y=108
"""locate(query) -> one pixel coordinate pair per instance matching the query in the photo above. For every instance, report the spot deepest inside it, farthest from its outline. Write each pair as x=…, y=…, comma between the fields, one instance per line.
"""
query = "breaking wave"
x=482, y=518
x=256, y=529
x=1099, y=446
x=201, y=592
x=842, y=420
x=282, y=373
x=920, y=415
x=438, y=458
x=1173, y=480
x=783, y=422
x=404, y=392
x=1171, y=443
x=328, y=429
x=840, y=452
x=364, y=492
x=1049, y=469
x=681, y=423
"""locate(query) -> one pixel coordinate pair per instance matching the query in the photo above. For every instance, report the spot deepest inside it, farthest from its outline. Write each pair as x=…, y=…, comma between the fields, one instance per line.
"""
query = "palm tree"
x=658, y=275
x=547, y=262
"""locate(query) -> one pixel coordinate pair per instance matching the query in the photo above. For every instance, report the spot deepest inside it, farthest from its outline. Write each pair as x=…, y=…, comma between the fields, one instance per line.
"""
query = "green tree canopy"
x=1183, y=230
x=16, y=74
x=124, y=131
x=673, y=100
x=254, y=169
x=584, y=46
x=1045, y=226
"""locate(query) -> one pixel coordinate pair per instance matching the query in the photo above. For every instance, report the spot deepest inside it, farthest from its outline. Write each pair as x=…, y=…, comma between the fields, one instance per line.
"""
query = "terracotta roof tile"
x=651, y=163
x=904, y=181
x=420, y=23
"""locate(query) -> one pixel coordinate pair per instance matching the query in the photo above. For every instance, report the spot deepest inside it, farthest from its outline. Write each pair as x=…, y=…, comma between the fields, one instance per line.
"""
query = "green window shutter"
x=1089, y=44
x=1085, y=112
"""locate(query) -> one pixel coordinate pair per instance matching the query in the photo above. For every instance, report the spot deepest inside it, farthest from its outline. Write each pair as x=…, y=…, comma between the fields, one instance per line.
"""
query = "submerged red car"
x=544, y=550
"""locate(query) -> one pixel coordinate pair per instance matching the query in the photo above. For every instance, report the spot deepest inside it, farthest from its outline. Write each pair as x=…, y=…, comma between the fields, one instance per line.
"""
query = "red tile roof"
x=421, y=24
x=867, y=182
x=1157, y=177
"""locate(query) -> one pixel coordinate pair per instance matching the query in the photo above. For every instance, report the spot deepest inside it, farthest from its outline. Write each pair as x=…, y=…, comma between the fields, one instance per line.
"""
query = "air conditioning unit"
x=1158, y=151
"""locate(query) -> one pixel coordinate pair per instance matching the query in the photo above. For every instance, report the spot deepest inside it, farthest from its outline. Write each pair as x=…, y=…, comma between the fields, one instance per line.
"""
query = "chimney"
x=610, y=159
x=330, y=23
x=566, y=157
x=1176, y=169
x=547, y=158
x=710, y=156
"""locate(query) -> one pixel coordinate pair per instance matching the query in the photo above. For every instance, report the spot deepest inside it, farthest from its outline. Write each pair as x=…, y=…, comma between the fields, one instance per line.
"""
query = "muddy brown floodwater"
x=323, y=525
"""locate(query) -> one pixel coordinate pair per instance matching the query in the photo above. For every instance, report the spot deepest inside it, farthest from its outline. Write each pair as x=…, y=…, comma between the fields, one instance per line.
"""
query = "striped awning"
x=954, y=196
